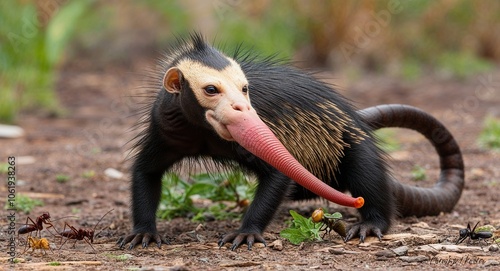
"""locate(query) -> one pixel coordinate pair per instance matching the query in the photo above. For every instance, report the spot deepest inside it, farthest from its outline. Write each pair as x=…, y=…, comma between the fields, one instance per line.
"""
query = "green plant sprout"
x=89, y=174
x=489, y=138
x=418, y=173
x=61, y=178
x=25, y=203
x=305, y=229
x=4, y=168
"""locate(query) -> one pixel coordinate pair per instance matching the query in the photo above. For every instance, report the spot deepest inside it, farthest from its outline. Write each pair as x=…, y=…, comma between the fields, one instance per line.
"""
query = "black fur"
x=177, y=130
x=201, y=52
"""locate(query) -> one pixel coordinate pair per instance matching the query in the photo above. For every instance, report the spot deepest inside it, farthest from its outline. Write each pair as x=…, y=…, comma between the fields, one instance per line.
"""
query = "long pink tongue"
x=253, y=135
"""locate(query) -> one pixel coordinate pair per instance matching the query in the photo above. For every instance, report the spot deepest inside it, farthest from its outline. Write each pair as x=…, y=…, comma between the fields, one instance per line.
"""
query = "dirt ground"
x=93, y=133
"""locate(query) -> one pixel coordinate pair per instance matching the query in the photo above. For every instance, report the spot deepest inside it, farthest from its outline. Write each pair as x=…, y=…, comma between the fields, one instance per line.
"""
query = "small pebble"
x=113, y=173
x=10, y=131
x=386, y=253
x=25, y=160
x=337, y=251
x=199, y=228
x=401, y=251
x=301, y=246
x=340, y=251
x=491, y=263
x=277, y=245
x=413, y=259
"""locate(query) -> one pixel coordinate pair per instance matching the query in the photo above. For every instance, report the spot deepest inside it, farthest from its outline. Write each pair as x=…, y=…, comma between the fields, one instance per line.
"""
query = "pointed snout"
x=253, y=135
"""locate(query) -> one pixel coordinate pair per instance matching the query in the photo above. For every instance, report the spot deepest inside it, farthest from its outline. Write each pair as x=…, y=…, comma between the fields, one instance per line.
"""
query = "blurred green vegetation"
x=386, y=140
x=4, y=168
x=490, y=135
x=62, y=178
x=409, y=39
x=31, y=45
x=418, y=173
x=219, y=189
x=25, y=204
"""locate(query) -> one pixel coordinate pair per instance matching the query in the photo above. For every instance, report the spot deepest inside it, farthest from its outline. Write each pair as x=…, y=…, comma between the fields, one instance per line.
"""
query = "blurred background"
x=72, y=71
x=406, y=40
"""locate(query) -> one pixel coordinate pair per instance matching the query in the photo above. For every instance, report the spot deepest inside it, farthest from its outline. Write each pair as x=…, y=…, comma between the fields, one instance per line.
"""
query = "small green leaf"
x=298, y=220
x=485, y=228
x=335, y=215
x=201, y=189
x=295, y=236
x=61, y=178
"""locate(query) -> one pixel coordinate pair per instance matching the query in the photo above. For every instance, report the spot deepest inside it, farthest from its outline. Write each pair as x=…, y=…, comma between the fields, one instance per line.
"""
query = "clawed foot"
x=144, y=238
x=361, y=229
x=237, y=238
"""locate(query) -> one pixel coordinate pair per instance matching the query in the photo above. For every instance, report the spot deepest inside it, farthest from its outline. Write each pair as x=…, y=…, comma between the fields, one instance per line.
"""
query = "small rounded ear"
x=172, y=80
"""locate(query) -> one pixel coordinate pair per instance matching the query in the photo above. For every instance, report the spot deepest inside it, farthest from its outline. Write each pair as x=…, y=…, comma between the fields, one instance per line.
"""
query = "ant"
x=80, y=234
x=36, y=243
x=472, y=234
x=330, y=222
x=36, y=226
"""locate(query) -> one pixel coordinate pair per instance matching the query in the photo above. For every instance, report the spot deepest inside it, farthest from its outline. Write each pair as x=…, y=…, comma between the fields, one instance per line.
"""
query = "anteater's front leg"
x=269, y=195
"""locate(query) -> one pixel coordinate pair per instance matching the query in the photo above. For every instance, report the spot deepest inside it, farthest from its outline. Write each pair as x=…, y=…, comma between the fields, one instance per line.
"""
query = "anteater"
x=211, y=106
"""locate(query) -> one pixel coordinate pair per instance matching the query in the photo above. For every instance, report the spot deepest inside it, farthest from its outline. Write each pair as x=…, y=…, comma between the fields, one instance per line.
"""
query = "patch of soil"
x=92, y=137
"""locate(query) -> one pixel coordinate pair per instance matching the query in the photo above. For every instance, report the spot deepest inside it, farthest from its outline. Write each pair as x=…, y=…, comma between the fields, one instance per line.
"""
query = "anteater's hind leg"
x=365, y=172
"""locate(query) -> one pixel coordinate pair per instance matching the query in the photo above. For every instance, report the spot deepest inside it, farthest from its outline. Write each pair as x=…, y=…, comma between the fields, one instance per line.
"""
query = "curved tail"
x=446, y=193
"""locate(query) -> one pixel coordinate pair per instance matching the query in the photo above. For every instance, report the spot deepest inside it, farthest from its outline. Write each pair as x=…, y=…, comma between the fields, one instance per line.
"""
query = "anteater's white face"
x=223, y=93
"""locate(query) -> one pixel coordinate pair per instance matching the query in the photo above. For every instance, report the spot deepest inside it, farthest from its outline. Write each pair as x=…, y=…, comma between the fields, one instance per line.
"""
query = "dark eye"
x=211, y=90
x=245, y=89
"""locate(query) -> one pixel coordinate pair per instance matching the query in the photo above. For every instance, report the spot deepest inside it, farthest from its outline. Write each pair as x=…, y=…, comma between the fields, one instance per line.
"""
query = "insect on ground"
x=37, y=243
x=330, y=222
x=87, y=235
x=37, y=225
x=472, y=234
